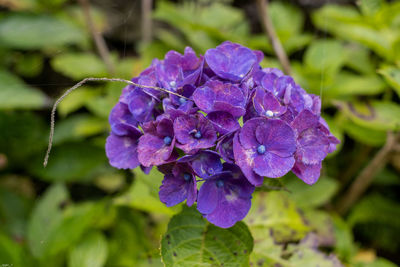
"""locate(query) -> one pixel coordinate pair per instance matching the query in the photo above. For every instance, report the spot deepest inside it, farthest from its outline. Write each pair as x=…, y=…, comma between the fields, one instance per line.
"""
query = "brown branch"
x=146, y=21
x=365, y=178
x=76, y=86
x=98, y=39
x=271, y=35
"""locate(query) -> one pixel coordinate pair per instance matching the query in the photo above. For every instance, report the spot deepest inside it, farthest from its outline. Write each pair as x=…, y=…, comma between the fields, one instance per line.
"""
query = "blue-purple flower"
x=156, y=146
x=194, y=132
x=178, y=184
x=225, y=198
x=264, y=147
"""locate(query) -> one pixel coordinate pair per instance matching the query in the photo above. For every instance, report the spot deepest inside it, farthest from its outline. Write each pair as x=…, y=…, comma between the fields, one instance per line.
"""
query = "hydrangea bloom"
x=188, y=131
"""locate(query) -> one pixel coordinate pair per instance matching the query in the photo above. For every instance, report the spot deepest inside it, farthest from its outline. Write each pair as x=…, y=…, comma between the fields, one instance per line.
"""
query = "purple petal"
x=223, y=122
x=121, y=120
x=308, y=173
x=245, y=160
x=153, y=151
x=247, y=134
x=173, y=190
x=208, y=197
x=272, y=165
x=304, y=120
x=225, y=148
x=231, y=61
x=122, y=151
x=277, y=136
x=207, y=163
x=313, y=146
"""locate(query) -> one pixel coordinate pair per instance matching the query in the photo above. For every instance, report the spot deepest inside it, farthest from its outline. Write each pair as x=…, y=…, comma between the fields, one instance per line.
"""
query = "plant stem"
x=98, y=39
x=146, y=21
x=365, y=178
x=271, y=35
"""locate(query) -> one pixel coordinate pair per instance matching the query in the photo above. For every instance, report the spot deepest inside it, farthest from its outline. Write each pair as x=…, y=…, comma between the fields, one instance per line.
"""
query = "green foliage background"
x=79, y=211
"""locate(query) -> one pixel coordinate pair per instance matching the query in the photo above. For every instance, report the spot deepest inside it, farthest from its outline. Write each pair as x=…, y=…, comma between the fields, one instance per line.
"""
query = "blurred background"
x=79, y=211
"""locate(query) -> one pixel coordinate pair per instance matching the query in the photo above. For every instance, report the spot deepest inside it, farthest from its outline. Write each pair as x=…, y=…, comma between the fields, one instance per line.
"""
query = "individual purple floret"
x=219, y=96
x=157, y=144
x=232, y=61
x=179, y=184
x=225, y=198
x=205, y=163
x=194, y=132
x=122, y=150
x=264, y=147
x=220, y=107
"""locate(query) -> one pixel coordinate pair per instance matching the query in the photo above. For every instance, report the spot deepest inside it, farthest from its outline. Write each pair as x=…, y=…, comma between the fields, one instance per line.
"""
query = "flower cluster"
x=190, y=131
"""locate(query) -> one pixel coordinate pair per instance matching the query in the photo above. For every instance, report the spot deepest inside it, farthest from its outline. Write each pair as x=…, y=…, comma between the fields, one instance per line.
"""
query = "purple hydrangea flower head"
x=178, y=185
x=219, y=96
x=225, y=198
x=264, y=147
x=194, y=132
x=192, y=123
x=232, y=61
x=121, y=150
x=205, y=163
x=156, y=146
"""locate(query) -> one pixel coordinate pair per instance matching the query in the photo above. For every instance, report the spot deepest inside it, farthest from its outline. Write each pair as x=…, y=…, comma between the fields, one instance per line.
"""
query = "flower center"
x=220, y=183
x=182, y=100
x=167, y=140
x=269, y=113
x=186, y=176
x=261, y=149
x=172, y=83
x=197, y=135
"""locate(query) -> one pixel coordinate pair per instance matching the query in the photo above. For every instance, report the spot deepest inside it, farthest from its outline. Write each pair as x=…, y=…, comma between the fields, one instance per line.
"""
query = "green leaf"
x=376, y=115
x=306, y=196
x=77, y=99
x=71, y=162
x=288, y=20
x=364, y=135
x=79, y=65
x=91, y=251
x=56, y=224
x=15, y=94
x=392, y=77
x=378, y=262
x=370, y=7
x=191, y=241
x=347, y=84
x=11, y=253
x=275, y=213
x=359, y=59
x=365, y=211
x=326, y=56
x=344, y=245
x=28, y=31
x=345, y=22
x=79, y=127
x=143, y=193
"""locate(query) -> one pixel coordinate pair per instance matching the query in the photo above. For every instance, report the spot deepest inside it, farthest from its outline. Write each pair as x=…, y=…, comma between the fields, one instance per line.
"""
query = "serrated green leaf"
x=392, y=77
x=191, y=241
x=28, y=31
x=275, y=213
x=91, y=251
x=79, y=65
x=15, y=94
